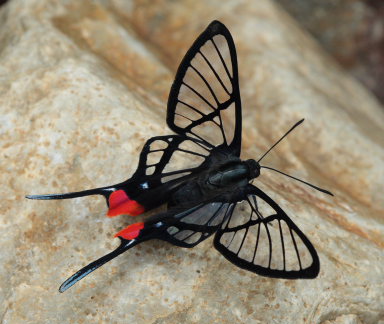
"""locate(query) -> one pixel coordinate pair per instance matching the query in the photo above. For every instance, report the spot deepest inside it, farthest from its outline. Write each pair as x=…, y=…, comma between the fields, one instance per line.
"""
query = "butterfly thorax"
x=233, y=174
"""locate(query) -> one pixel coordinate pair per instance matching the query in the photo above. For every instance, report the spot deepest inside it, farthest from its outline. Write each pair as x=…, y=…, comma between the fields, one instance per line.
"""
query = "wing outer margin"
x=307, y=273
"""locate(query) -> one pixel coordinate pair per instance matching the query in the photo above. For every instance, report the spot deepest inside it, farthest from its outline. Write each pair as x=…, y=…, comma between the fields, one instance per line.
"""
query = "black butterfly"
x=212, y=195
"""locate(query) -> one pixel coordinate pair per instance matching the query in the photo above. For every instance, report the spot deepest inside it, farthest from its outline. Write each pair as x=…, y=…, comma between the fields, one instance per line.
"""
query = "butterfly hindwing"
x=180, y=226
x=164, y=158
x=205, y=99
x=187, y=227
x=258, y=236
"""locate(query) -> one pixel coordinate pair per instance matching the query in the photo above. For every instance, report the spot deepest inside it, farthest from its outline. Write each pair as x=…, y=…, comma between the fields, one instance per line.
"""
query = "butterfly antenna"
x=289, y=176
x=292, y=128
x=124, y=246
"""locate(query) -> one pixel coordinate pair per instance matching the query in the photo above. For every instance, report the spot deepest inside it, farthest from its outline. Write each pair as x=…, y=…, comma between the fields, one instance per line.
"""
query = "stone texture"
x=351, y=30
x=84, y=84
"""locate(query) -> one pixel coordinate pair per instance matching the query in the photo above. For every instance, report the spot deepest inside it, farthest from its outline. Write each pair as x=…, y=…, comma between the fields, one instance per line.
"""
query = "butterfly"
x=212, y=195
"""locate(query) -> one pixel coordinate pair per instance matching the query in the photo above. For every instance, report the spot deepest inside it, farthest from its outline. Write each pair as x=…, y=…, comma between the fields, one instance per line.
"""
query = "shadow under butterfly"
x=213, y=194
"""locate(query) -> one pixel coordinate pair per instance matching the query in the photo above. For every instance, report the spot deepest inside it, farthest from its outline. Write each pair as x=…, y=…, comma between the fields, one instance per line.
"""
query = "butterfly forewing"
x=204, y=99
x=260, y=237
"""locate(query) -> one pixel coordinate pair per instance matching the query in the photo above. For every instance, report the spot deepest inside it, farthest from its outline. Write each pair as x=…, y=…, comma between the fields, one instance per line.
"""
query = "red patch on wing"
x=131, y=231
x=120, y=203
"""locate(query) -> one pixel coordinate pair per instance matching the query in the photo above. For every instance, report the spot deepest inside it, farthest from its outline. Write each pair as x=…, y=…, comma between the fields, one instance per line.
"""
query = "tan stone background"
x=352, y=31
x=83, y=84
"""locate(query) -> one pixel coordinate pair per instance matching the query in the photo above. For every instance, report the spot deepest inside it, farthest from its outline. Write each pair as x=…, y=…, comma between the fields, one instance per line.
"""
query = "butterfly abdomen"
x=187, y=193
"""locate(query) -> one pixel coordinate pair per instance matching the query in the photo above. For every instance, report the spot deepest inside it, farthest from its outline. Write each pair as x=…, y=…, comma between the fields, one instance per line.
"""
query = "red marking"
x=131, y=231
x=120, y=203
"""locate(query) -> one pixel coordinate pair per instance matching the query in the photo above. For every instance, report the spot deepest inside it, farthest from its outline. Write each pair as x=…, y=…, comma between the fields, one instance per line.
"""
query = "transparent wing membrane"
x=260, y=237
x=204, y=101
x=188, y=228
x=162, y=155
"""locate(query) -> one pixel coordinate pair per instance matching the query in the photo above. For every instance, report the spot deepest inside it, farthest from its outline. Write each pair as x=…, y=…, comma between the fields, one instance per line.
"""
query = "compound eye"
x=254, y=168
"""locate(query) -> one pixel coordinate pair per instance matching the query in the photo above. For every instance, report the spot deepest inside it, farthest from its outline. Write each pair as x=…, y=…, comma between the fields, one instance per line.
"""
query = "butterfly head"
x=253, y=167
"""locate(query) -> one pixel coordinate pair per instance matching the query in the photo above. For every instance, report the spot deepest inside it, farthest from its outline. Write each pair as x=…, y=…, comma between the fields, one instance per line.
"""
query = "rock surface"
x=351, y=30
x=83, y=84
